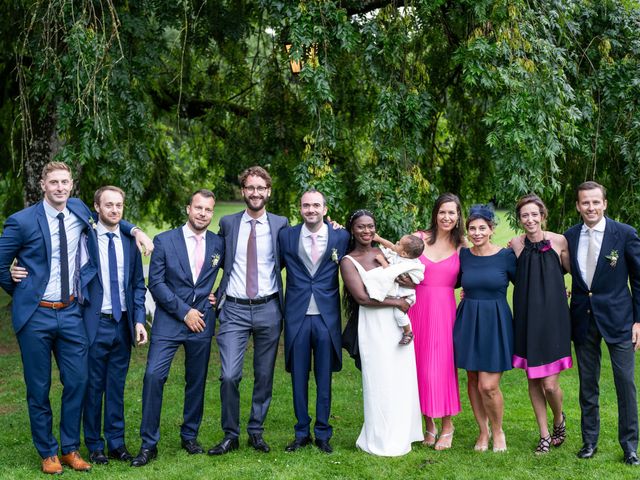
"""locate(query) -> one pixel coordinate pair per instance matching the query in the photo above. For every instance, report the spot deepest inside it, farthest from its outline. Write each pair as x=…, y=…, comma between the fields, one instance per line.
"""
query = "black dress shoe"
x=120, y=453
x=298, y=443
x=587, y=451
x=144, y=457
x=324, y=445
x=225, y=446
x=192, y=446
x=98, y=457
x=256, y=441
x=631, y=458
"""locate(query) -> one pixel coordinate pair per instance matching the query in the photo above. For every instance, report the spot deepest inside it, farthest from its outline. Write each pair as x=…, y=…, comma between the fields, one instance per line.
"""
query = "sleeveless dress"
x=542, y=325
x=432, y=319
x=392, y=419
x=483, y=333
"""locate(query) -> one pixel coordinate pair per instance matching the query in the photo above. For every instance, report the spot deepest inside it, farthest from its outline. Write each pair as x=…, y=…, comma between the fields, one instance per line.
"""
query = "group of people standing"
x=78, y=292
x=482, y=336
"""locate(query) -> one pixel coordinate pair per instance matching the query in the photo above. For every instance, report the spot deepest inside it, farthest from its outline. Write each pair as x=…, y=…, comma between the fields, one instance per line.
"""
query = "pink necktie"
x=315, y=254
x=199, y=254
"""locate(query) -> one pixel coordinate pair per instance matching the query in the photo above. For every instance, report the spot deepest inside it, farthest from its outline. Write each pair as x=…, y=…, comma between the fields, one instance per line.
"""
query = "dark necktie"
x=64, y=261
x=252, y=263
x=116, y=308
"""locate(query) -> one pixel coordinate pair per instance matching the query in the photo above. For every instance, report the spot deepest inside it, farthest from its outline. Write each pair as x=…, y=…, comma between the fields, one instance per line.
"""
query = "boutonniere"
x=215, y=260
x=92, y=223
x=334, y=255
x=613, y=258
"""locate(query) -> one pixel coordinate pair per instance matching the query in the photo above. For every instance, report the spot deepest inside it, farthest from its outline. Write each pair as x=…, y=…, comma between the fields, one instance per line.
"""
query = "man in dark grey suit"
x=251, y=303
x=605, y=261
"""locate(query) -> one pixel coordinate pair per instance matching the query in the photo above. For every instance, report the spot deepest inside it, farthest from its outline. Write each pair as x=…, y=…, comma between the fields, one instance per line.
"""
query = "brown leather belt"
x=57, y=305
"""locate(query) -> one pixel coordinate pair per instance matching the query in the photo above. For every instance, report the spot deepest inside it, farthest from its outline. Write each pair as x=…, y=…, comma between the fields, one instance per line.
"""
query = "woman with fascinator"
x=483, y=333
x=542, y=325
x=432, y=317
x=389, y=383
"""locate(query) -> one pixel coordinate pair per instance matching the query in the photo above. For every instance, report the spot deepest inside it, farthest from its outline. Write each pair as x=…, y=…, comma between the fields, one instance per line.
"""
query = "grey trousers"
x=237, y=323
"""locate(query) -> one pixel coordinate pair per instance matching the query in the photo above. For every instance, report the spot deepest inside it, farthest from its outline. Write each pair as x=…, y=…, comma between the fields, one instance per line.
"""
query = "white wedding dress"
x=392, y=418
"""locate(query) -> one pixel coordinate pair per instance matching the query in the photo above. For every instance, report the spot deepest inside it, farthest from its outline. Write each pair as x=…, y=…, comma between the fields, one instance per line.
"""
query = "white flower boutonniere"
x=215, y=260
x=613, y=258
x=334, y=255
x=92, y=223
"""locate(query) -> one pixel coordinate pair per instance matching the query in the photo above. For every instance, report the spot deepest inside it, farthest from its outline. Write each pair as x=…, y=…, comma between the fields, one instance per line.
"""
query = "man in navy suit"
x=114, y=316
x=311, y=253
x=183, y=269
x=45, y=240
x=605, y=260
x=250, y=299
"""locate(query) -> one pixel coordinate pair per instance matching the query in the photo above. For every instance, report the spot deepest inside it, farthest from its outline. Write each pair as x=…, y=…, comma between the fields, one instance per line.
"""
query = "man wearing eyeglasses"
x=251, y=304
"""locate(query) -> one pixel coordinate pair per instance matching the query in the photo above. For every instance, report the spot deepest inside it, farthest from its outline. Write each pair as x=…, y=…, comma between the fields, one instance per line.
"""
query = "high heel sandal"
x=544, y=445
x=559, y=432
x=433, y=435
x=482, y=447
x=445, y=446
x=500, y=449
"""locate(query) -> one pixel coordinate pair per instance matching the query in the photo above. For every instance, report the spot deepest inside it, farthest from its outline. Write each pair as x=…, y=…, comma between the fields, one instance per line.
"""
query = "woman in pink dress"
x=432, y=319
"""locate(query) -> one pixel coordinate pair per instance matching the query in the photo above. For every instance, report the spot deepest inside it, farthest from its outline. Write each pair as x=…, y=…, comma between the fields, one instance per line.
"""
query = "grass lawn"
x=19, y=459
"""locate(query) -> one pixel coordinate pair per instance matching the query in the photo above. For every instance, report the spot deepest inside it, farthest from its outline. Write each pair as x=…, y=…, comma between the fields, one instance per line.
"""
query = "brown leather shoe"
x=51, y=465
x=75, y=461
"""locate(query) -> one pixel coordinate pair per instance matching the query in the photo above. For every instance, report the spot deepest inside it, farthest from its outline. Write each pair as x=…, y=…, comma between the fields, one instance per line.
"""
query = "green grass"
x=19, y=459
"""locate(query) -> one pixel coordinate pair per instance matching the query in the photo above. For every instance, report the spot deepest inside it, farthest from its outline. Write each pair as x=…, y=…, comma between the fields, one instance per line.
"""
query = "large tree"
x=396, y=102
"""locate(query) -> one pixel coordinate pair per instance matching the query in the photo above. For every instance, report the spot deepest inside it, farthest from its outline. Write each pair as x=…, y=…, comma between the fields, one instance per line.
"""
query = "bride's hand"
x=403, y=304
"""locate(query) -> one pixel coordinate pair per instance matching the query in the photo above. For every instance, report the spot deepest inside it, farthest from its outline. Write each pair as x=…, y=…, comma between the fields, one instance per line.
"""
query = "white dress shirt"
x=267, y=283
x=73, y=228
x=583, y=244
x=103, y=248
x=190, y=241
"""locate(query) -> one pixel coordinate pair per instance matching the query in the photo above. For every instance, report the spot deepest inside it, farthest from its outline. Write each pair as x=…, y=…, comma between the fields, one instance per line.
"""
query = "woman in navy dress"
x=483, y=332
x=542, y=323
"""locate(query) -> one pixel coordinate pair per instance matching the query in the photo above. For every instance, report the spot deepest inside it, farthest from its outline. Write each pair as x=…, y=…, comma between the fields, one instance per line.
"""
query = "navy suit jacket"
x=229, y=228
x=26, y=237
x=614, y=307
x=324, y=285
x=172, y=286
x=134, y=291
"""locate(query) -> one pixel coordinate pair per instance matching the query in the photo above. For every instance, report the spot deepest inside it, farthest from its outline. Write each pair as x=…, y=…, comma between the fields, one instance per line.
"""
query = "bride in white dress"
x=392, y=418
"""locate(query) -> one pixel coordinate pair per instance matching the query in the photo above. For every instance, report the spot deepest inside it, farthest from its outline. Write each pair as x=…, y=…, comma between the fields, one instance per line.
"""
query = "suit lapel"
x=574, y=242
x=235, y=232
x=180, y=247
x=43, y=222
x=274, y=238
x=608, y=243
x=126, y=251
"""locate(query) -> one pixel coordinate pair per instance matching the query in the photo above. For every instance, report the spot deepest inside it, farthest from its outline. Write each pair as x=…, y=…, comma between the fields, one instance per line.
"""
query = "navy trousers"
x=109, y=356
x=197, y=349
x=622, y=356
x=313, y=336
x=237, y=323
x=63, y=333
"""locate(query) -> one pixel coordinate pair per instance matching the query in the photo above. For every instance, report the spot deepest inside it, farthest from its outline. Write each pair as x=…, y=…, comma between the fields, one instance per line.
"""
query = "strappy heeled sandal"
x=559, y=434
x=447, y=445
x=432, y=435
x=544, y=445
x=406, y=339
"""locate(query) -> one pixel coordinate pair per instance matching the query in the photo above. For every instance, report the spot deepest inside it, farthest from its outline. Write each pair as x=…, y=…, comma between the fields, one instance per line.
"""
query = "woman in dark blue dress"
x=483, y=332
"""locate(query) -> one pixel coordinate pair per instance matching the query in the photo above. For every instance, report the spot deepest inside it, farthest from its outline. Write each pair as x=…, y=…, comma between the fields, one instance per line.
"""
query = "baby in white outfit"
x=398, y=259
